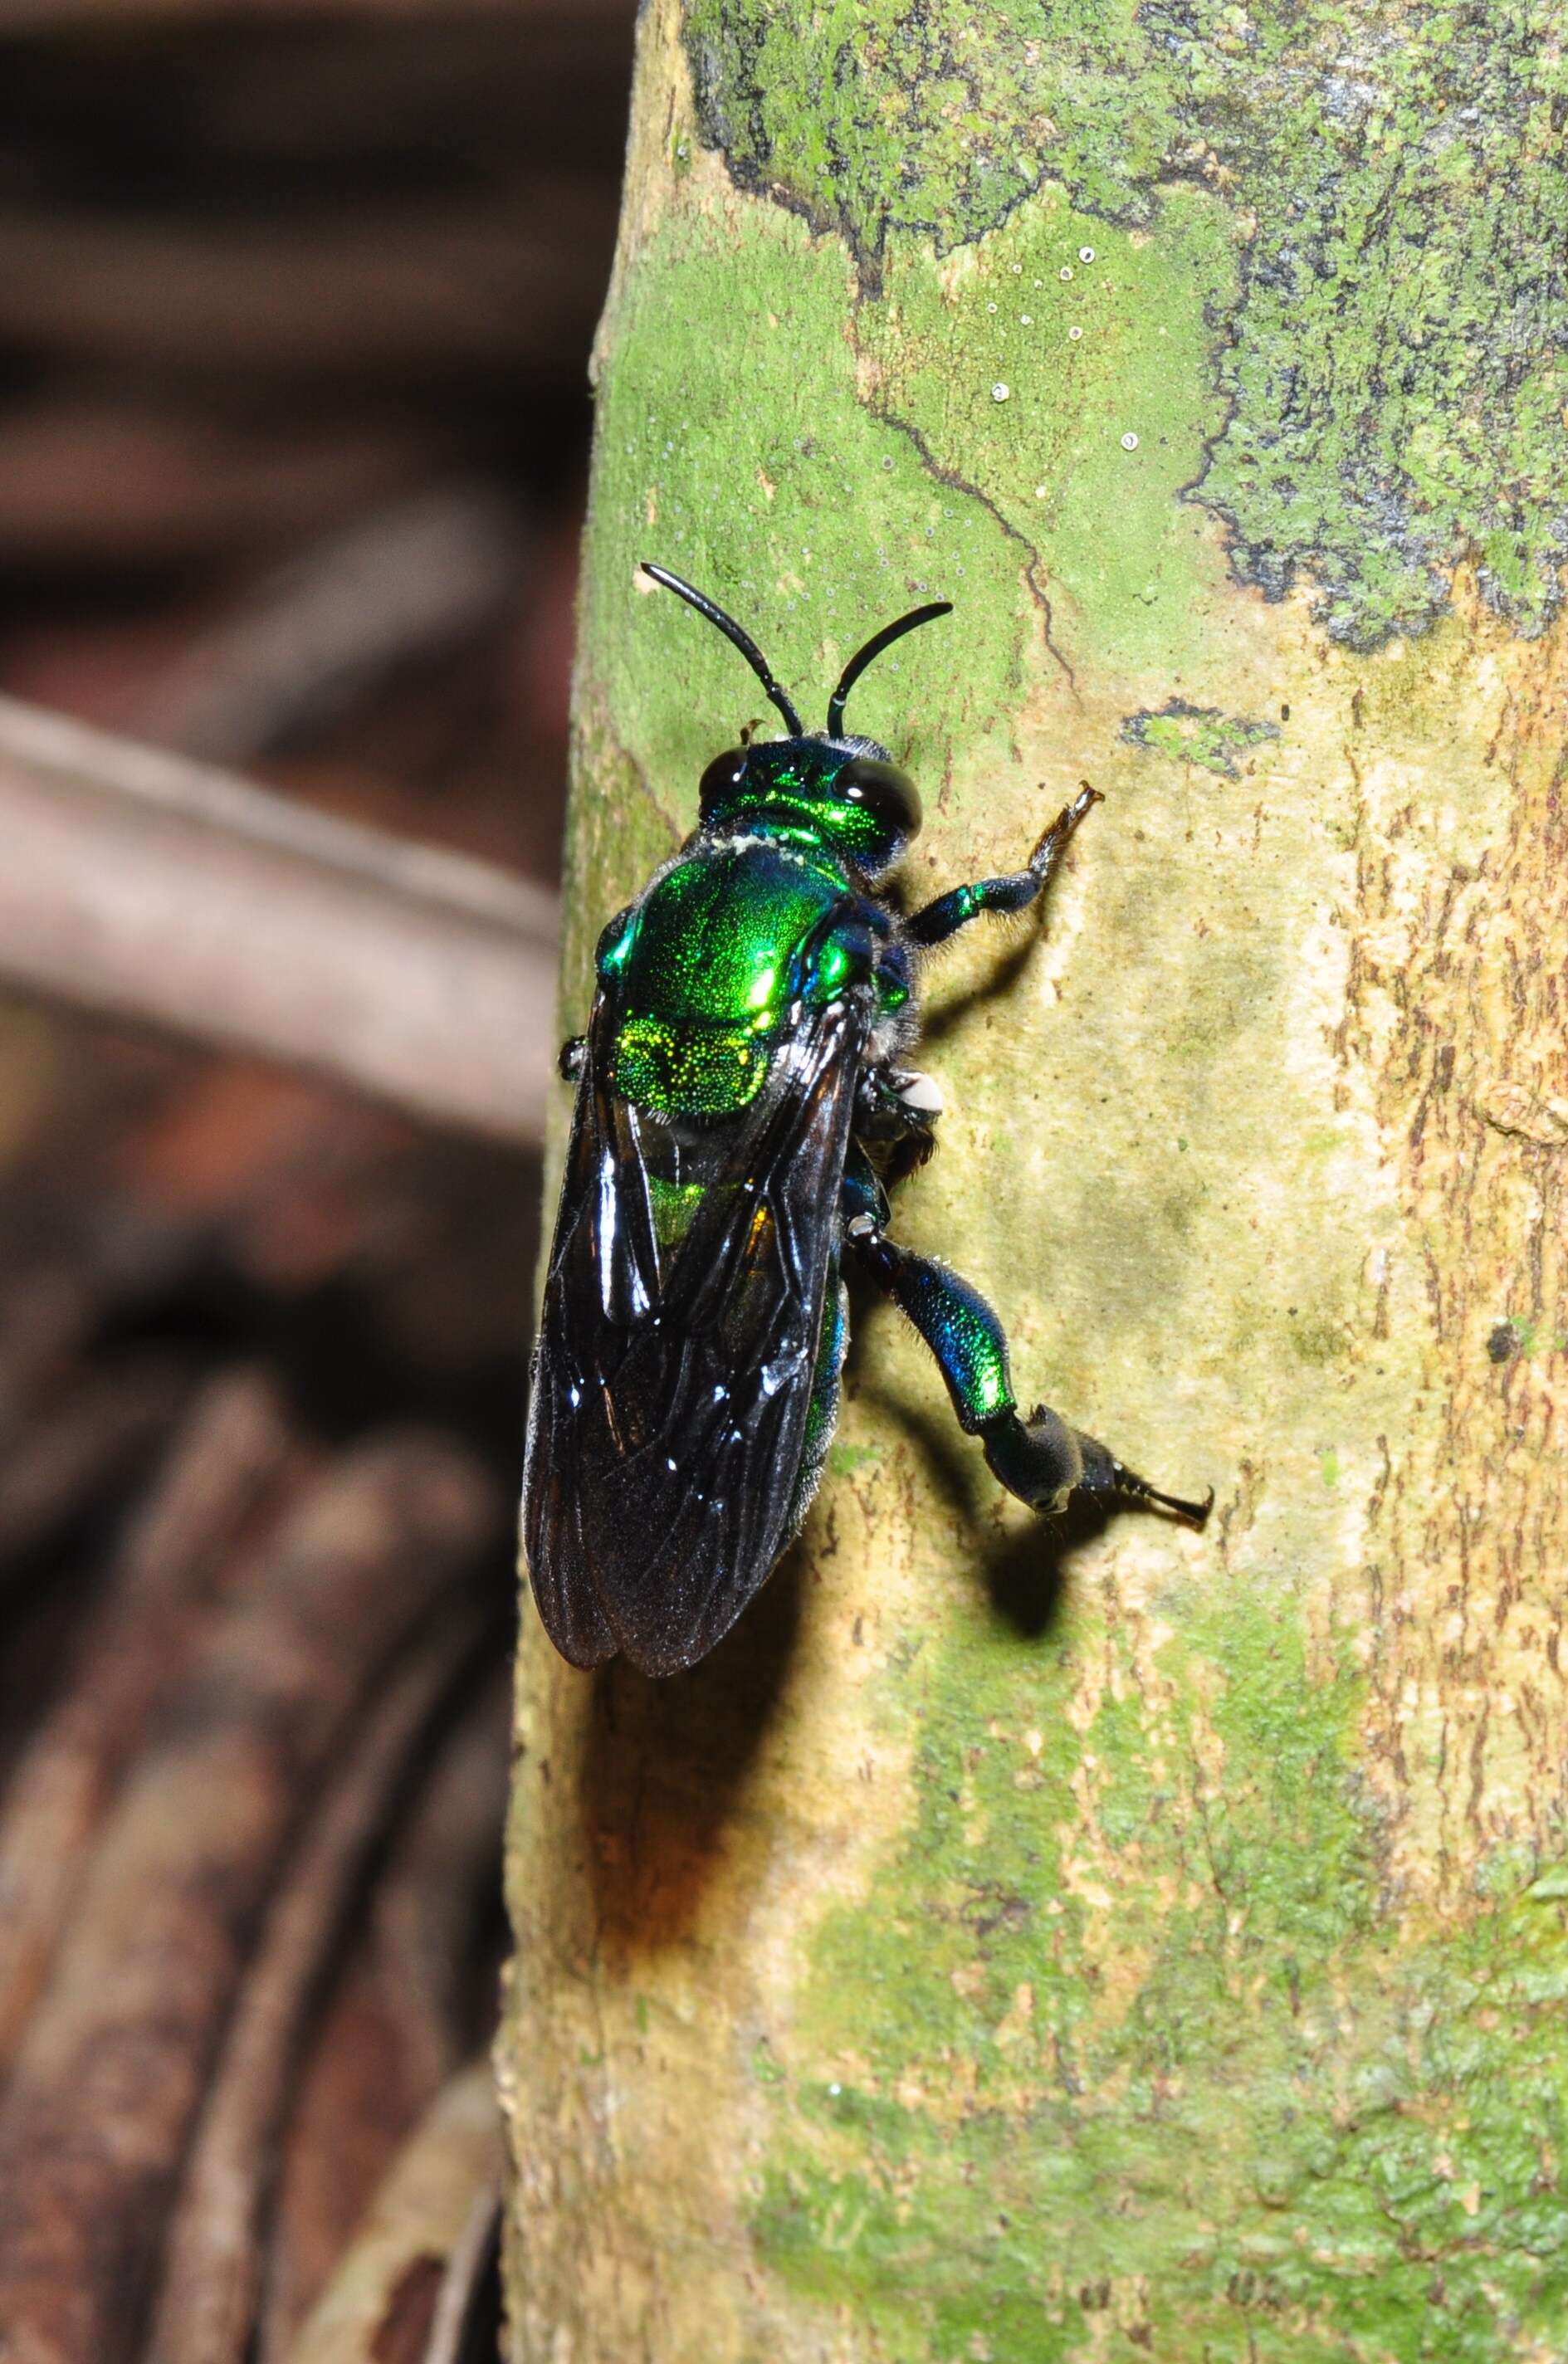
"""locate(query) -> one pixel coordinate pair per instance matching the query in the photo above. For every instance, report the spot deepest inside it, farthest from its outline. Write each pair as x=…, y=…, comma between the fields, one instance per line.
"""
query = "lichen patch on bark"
x=1197, y=734
x=1390, y=166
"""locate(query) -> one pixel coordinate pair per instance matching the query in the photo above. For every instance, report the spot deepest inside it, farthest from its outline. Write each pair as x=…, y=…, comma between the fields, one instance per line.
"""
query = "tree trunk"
x=1107, y=1942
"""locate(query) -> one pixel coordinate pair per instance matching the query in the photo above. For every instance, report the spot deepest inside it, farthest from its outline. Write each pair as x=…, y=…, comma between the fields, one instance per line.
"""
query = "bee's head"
x=843, y=793
x=847, y=793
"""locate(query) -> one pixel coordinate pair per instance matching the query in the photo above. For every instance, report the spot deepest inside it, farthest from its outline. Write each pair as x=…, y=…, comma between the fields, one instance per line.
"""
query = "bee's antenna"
x=874, y=649
x=732, y=631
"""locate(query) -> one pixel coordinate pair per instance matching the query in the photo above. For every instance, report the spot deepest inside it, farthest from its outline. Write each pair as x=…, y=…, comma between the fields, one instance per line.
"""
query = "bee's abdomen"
x=677, y=1067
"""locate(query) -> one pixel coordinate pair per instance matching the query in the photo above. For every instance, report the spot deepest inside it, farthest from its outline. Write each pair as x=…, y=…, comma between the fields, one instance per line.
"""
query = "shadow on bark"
x=1017, y=942
x=1026, y=1570
x=668, y=1761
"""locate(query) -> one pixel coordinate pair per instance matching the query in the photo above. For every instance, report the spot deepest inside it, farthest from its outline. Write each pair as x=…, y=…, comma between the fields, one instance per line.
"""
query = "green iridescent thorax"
x=703, y=970
x=713, y=942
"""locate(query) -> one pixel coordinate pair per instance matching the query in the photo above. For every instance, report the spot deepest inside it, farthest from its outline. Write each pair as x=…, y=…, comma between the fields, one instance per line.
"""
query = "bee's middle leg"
x=1041, y=1460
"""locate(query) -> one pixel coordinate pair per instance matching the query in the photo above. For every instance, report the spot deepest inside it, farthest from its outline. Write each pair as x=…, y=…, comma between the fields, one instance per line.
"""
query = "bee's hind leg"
x=1046, y=1464
x=1040, y=1460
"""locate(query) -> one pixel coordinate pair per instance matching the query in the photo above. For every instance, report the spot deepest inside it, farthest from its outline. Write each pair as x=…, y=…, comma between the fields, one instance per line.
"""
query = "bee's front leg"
x=938, y=920
x=572, y=1054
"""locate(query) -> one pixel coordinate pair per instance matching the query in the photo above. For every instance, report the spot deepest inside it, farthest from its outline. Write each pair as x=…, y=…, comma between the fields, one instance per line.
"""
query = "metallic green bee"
x=743, y=1096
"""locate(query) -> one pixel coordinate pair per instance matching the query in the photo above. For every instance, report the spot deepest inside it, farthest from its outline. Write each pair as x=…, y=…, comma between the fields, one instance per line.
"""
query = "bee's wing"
x=670, y=1405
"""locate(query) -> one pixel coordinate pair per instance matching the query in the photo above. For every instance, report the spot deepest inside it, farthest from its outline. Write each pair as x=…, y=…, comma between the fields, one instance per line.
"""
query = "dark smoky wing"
x=603, y=1278
x=692, y=1478
x=671, y=1405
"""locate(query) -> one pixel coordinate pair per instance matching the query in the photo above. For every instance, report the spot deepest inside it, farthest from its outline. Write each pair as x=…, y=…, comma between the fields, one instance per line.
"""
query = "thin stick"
x=411, y=1974
x=146, y=888
x=470, y=2264
x=236, y=1455
x=206, y=2311
x=385, y=2296
x=108, y=2079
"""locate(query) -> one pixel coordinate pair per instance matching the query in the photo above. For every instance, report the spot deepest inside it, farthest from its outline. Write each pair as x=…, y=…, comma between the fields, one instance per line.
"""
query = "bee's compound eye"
x=722, y=781
x=883, y=791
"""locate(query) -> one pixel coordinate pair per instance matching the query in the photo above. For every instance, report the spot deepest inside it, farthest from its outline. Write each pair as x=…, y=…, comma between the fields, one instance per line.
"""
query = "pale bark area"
x=1024, y=1946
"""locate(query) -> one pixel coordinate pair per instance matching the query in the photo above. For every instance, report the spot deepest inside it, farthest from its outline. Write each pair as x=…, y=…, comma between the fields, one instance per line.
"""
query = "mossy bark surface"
x=1092, y=1945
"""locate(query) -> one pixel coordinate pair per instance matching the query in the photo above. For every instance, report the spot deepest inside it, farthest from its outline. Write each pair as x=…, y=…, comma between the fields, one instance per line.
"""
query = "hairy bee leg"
x=1040, y=1460
x=572, y=1054
x=938, y=920
x=1045, y=1464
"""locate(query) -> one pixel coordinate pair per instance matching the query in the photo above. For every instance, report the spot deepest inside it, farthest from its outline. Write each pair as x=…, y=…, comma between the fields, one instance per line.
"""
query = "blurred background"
x=294, y=314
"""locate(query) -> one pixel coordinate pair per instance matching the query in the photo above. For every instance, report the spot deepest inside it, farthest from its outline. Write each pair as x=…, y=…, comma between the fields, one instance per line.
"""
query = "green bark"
x=1052, y=1947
